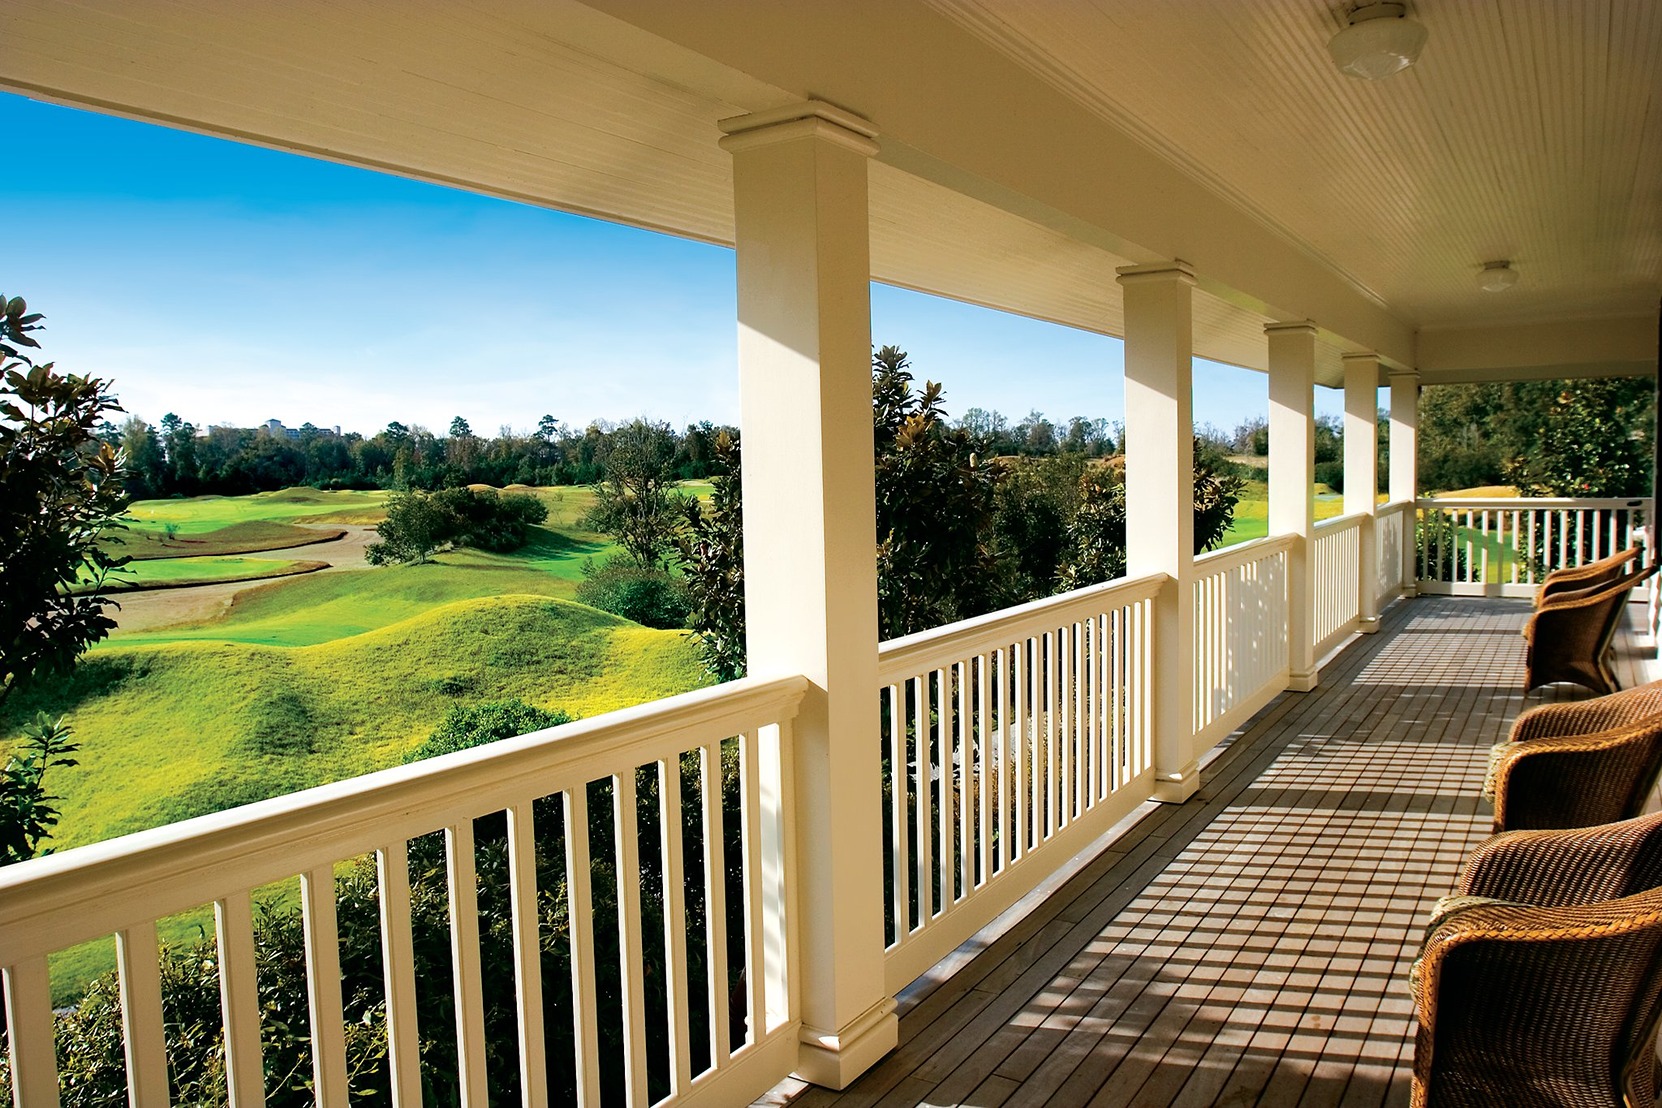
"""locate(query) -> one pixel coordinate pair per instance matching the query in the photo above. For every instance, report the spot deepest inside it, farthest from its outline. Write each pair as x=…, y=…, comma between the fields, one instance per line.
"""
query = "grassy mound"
x=305, y=611
x=175, y=730
x=182, y=573
x=146, y=543
x=201, y=514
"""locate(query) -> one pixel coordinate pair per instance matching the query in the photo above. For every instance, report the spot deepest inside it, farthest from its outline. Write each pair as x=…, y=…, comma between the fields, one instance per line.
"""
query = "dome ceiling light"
x=1497, y=277
x=1381, y=40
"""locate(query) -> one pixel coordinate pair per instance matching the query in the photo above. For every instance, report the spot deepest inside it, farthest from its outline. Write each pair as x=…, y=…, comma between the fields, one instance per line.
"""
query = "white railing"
x=1336, y=561
x=1010, y=741
x=1393, y=531
x=1504, y=547
x=638, y=880
x=1240, y=597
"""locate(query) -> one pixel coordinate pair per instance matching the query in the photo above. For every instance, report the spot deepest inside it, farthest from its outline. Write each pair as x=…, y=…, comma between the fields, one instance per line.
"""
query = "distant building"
x=275, y=427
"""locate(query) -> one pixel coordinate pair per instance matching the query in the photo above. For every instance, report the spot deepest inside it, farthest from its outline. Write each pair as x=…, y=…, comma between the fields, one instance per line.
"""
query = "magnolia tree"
x=61, y=489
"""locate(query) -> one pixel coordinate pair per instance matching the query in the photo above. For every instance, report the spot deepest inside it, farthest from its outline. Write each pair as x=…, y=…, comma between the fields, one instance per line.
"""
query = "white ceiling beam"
x=1624, y=346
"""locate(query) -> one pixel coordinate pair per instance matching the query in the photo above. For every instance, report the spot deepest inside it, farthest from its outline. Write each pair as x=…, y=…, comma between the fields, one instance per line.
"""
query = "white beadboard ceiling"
x=1530, y=130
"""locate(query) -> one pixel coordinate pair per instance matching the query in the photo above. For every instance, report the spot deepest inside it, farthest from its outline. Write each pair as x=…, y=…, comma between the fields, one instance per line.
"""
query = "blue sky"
x=233, y=284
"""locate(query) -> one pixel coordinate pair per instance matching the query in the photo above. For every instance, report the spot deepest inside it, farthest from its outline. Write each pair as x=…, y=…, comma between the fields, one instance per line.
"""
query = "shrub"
x=465, y=728
x=651, y=597
x=420, y=524
x=1331, y=474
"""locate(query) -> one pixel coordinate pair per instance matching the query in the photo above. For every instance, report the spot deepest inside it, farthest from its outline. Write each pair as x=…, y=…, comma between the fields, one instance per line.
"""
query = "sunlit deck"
x=1252, y=945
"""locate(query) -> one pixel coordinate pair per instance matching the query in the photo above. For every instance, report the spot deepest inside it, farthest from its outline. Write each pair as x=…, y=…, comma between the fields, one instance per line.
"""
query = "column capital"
x=1175, y=270
x=807, y=119
x=1406, y=376
x=1296, y=327
x=1360, y=356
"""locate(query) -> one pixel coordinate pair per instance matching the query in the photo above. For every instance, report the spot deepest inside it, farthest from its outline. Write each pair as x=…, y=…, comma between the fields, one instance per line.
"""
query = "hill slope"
x=173, y=730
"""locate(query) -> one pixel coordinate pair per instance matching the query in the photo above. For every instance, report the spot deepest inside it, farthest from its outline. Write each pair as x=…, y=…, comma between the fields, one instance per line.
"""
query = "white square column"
x=1362, y=477
x=1292, y=359
x=1405, y=466
x=810, y=545
x=1160, y=499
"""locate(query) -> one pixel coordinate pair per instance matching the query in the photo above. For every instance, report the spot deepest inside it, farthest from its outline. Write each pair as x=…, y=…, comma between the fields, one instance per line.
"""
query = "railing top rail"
x=1539, y=502
x=1341, y=523
x=57, y=901
x=1228, y=557
x=913, y=654
x=1395, y=506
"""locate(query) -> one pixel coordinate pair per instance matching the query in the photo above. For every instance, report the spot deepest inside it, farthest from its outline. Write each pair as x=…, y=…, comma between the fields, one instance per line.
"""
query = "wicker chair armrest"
x=1583, y=717
x=1570, y=780
x=1577, y=866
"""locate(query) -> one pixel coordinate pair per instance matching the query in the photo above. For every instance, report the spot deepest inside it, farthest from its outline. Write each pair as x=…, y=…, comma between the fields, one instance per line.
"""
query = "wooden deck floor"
x=1249, y=947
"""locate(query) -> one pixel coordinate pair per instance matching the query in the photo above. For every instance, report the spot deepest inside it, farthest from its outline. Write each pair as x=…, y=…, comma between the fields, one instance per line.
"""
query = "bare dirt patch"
x=151, y=609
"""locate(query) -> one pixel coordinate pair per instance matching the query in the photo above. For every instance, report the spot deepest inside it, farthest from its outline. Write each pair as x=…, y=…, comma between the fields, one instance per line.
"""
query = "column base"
x=1303, y=682
x=1175, y=788
x=835, y=1058
x=1368, y=626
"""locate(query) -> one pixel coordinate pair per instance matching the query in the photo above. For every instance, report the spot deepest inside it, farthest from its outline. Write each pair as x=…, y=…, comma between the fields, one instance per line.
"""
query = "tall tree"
x=636, y=502
x=61, y=488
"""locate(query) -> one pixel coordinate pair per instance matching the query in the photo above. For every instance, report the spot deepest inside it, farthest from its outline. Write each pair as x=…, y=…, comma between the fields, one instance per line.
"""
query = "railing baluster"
x=398, y=971
x=900, y=814
x=142, y=1021
x=239, y=1000
x=941, y=728
x=1018, y=749
x=715, y=900
x=1068, y=694
x=923, y=839
x=522, y=901
x=631, y=957
x=960, y=701
x=1053, y=821
x=1003, y=821
x=34, y=1059
x=750, y=816
x=983, y=751
x=467, y=981
x=777, y=841
x=675, y=923
x=323, y=991
x=585, y=999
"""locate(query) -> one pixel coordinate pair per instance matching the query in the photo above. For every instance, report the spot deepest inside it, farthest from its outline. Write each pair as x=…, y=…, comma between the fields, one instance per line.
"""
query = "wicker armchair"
x=1569, y=636
x=1556, y=781
x=1541, y=985
x=1588, y=576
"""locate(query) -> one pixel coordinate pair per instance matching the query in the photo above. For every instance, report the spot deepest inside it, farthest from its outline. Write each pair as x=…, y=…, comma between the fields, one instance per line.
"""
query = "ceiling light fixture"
x=1381, y=40
x=1497, y=277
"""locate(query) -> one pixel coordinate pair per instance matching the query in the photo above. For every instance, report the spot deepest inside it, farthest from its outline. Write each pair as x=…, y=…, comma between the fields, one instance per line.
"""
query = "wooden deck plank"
x=1250, y=946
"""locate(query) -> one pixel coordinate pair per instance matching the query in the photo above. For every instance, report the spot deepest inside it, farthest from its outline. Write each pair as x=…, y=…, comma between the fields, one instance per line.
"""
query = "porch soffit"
x=559, y=104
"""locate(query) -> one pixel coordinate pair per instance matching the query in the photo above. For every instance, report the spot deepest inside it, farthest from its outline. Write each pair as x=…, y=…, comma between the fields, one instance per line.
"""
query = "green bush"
x=1331, y=474
x=465, y=728
x=651, y=597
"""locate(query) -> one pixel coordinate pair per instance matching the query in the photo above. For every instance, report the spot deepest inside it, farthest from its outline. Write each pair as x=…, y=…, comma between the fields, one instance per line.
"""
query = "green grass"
x=176, y=573
x=1252, y=513
x=175, y=730
x=146, y=543
x=319, y=608
x=201, y=514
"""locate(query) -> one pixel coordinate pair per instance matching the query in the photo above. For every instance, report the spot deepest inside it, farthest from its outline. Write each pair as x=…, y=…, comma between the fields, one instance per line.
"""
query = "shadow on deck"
x=1252, y=946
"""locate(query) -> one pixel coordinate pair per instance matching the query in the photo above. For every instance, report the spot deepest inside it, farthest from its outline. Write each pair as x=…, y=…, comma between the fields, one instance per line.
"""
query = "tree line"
x=178, y=458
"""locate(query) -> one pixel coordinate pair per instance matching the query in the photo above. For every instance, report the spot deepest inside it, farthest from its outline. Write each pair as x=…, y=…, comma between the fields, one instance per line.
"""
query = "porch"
x=1030, y=178
x=1252, y=945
